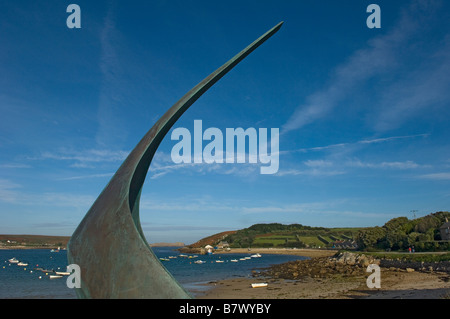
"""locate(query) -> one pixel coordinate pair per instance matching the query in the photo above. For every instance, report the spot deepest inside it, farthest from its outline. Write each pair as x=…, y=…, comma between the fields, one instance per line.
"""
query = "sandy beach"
x=285, y=251
x=395, y=284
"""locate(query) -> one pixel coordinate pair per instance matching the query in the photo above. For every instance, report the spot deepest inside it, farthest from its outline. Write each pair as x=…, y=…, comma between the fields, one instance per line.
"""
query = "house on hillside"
x=223, y=245
x=445, y=230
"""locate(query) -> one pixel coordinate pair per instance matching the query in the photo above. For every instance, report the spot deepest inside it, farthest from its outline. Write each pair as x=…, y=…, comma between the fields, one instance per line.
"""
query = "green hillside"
x=398, y=234
x=293, y=235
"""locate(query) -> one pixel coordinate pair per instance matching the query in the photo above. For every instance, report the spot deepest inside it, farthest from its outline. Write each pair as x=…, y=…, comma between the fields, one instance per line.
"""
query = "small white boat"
x=199, y=262
x=13, y=260
x=164, y=259
x=259, y=285
x=242, y=259
x=234, y=260
x=219, y=261
x=22, y=264
x=255, y=255
x=62, y=273
x=55, y=276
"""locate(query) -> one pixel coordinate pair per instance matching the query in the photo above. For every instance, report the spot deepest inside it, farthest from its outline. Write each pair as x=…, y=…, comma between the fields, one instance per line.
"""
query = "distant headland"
x=50, y=242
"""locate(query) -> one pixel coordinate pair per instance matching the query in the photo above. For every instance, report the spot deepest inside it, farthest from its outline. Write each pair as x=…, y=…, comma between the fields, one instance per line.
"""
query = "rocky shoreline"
x=345, y=264
x=341, y=276
x=441, y=266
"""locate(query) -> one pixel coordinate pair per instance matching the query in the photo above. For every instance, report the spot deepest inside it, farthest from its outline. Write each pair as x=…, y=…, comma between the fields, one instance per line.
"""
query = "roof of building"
x=445, y=225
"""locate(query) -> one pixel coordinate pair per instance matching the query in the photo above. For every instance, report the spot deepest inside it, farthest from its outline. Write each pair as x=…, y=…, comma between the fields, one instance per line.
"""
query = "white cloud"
x=186, y=205
x=86, y=176
x=384, y=165
x=309, y=172
x=327, y=168
x=436, y=176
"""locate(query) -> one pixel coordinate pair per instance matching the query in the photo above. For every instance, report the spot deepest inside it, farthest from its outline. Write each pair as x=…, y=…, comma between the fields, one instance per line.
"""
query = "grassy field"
x=311, y=241
x=275, y=239
x=278, y=240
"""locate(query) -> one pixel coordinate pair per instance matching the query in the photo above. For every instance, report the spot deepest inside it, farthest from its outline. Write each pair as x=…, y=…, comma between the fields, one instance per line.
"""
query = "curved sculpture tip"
x=109, y=246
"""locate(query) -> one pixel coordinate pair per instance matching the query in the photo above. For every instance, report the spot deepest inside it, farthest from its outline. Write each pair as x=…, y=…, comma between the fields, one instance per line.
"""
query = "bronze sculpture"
x=109, y=245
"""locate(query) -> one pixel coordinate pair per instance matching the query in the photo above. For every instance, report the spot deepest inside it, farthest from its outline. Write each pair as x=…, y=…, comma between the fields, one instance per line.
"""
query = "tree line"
x=400, y=233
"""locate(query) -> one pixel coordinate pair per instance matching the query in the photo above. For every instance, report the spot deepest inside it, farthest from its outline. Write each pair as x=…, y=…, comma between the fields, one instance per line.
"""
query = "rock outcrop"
x=345, y=264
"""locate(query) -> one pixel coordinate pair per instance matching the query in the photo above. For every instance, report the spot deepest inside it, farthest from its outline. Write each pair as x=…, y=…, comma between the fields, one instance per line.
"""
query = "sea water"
x=27, y=282
x=30, y=283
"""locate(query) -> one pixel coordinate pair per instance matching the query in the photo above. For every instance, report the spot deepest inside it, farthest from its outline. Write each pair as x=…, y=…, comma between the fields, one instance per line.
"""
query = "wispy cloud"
x=85, y=158
x=316, y=172
x=382, y=55
x=188, y=205
x=80, y=201
x=86, y=176
x=323, y=208
x=318, y=163
x=424, y=89
x=328, y=168
x=11, y=192
x=54, y=225
x=113, y=97
x=162, y=164
x=442, y=176
x=384, y=165
x=360, y=142
x=8, y=191
x=213, y=205
x=164, y=228
x=14, y=165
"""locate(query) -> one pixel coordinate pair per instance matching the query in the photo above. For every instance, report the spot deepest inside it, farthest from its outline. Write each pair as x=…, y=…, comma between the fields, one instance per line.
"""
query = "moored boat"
x=259, y=285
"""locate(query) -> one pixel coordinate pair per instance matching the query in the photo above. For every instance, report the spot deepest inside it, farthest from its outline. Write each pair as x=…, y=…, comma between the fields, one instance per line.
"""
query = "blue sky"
x=363, y=113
